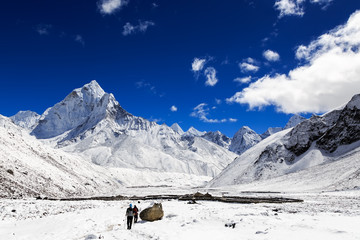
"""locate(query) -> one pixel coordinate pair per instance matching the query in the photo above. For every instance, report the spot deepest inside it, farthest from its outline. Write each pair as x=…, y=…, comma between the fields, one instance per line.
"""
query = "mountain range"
x=87, y=144
x=323, y=148
x=91, y=123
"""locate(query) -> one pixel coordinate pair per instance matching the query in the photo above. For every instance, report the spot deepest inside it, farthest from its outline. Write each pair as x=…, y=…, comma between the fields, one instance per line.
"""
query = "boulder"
x=153, y=213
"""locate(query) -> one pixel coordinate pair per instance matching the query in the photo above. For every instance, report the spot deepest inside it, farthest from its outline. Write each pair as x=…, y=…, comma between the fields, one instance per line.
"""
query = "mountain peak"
x=294, y=120
x=354, y=102
x=177, y=128
x=73, y=111
x=26, y=119
x=244, y=139
x=194, y=132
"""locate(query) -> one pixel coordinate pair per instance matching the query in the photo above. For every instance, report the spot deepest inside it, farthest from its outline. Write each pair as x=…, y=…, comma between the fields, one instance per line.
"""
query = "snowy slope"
x=26, y=119
x=28, y=167
x=270, y=131
x=91, y=123
x=317, y=141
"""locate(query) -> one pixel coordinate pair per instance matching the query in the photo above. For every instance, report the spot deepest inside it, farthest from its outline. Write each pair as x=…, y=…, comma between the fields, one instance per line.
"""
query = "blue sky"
x=214, y=65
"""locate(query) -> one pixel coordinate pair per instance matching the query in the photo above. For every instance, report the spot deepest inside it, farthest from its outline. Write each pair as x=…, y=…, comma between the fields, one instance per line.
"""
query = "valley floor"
x=330, y=216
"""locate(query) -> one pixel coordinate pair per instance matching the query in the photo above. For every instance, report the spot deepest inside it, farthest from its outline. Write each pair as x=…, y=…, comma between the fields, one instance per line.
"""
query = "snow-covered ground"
x=330, y=216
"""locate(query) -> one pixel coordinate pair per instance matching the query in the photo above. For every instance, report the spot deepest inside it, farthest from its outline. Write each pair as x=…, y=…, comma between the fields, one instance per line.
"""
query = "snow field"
x=329, y=216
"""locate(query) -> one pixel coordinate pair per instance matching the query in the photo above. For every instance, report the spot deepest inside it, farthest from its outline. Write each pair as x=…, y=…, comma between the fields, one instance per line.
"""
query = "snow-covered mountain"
x=244, y=139
x=92, y=123
x=194, y=132
x=30, y=168
x=294, y=120
x=26, y=119
x=270, y=131
x=315, y=142
x=177, y=128
x=218, y=138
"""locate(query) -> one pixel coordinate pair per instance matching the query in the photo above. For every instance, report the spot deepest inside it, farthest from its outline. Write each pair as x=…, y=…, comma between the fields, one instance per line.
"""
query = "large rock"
x=153, y=213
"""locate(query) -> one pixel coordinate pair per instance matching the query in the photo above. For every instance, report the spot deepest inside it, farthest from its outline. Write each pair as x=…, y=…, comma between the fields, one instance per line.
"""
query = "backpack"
x=129, y=212
x=135, y=210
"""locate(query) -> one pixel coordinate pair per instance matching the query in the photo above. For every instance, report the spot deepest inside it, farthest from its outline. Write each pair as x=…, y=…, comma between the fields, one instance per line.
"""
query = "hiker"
x=135, y=210
x=129, y=215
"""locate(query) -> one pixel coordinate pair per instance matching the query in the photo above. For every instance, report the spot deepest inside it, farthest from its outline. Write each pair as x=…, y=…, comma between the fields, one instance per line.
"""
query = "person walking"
x=135, y=210
x=129, y=214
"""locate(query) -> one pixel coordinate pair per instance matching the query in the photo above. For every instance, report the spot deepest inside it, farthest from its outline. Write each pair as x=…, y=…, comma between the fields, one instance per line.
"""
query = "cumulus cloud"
x=173, y=108
x=129, y=29
x=202, y=112
x=329, y=77
x=210, y=74
x=271, y=56
x=243, y=80
x=290, y=7
x=198, y=64
x=110, y=6
x=249, y=65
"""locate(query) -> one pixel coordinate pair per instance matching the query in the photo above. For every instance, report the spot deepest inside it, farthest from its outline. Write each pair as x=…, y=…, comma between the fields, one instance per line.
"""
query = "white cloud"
x=324, y=3
x=290, y=7
x=173, y=108
x=43, y=29
x=201, y=111
x=210, y=74
x=141, y=27
x=198, y=64
x=110, y=6
x=248, y=67
x=243, y=80
x=271, y=56
x=321, y=1
x=329, y=77
x=296, y=7
x=79, y=39
x=218, y=101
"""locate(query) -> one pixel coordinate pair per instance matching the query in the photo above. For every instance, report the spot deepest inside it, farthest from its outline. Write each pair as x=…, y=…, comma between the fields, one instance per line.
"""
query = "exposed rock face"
x=218, y=138
x=244, y=139
x=346, y=130
x=153, y=213
x=310, y=143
